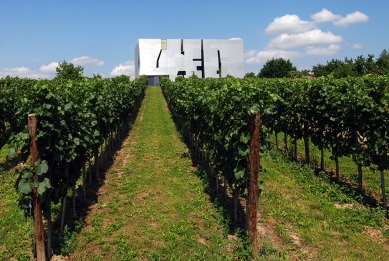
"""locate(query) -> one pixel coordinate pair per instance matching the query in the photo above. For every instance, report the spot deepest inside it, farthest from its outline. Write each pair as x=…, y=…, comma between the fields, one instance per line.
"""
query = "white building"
x=185, y=57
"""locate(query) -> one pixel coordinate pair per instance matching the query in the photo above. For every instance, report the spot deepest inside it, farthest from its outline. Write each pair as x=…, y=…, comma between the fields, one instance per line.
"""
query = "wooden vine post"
x=253, y=185
x=38, y=220
x=306, y=142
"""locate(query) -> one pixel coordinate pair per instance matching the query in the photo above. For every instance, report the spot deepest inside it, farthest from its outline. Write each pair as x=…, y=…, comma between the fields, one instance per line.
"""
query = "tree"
x=371, y=66
x=320, y=70
x=250, y=74
x=357, y=67
x=299, y=74
x=97, y=75
x=383, y=63
x=277, y=68
x=337, y=68
x=67, y=71
x=349, y=68
x=360, y=65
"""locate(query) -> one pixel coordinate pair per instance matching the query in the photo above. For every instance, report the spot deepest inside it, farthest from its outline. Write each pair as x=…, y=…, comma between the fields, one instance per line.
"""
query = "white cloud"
x=357, y=46
x=22, y=72
x=263, y=56
x=250, y=53
x=49, y=68
x=325, y=16
x=355, y=17
x=330, y=50
x=235, y=38
x=314, y=37
x=84, y=60
x=295, y=34
x=126, y=68
x=289, y=24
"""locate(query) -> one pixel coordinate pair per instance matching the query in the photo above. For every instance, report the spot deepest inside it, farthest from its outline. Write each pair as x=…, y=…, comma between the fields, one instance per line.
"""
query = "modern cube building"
x=186, y=57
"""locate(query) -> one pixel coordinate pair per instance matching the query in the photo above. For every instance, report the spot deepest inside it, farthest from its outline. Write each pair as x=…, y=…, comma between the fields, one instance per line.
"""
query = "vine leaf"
x=42, y=168
x=27, y=174
x=244, y=149
x=43, y=186
x=24, y=186
x=261, y=187
x=254, y=109
x=24, y=136
x=46, y=182
x=68, y=106
x=244, y=137
x=11, y=153
x=239, y=171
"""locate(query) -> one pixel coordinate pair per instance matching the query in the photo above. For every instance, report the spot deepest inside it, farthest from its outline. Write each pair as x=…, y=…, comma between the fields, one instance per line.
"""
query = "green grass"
x=347, y=167
x=314, y=219
x=15, y=230
x=153, y=205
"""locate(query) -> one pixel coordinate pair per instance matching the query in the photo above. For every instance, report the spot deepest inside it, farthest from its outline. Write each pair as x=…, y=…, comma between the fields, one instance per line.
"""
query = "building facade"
x=185, y=57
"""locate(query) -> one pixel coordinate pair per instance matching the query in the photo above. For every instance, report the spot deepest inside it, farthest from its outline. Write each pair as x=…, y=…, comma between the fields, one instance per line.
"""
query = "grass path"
x=152, y=205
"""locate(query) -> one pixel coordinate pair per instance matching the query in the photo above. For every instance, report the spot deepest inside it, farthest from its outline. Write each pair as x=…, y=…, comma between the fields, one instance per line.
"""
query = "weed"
x=386, y=233
x=68, y=239
x=243, y=250
x=283, y=234
x=269, y=252
x=125, y=251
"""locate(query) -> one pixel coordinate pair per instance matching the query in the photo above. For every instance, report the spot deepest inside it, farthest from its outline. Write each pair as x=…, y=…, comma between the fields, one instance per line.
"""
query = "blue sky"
x=101, y=35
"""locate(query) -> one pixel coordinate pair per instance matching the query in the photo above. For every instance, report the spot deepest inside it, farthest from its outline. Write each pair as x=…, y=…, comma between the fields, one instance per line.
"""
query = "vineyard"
x=74, y=122
x=348, y=117
x=80, y=122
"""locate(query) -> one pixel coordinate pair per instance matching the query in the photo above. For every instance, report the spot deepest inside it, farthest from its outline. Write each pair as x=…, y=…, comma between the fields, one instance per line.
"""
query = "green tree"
x=360, y=65
x=67, y=71
x=97, y=75
x=383, y=63
x=337, y=68
x=349, y=68
x=320, y=70
x=371, y=66
x=299, y=74
x=250, y=74
x=277, y=68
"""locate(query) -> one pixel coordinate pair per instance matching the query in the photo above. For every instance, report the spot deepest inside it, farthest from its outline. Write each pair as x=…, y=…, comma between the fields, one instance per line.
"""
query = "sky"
x=101, y=35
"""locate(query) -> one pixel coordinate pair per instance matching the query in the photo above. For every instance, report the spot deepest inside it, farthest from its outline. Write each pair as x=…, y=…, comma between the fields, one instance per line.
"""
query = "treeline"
x=281, y=68
x=354, y=67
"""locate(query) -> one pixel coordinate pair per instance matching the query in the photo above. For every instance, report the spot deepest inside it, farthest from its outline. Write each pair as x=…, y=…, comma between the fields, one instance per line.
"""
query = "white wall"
x=172, y=60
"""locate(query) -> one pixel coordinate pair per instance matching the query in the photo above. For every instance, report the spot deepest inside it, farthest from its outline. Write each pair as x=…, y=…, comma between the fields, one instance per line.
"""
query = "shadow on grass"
x=347, y=186
x=9, y=163
x=218, y=191
x=64, y=243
